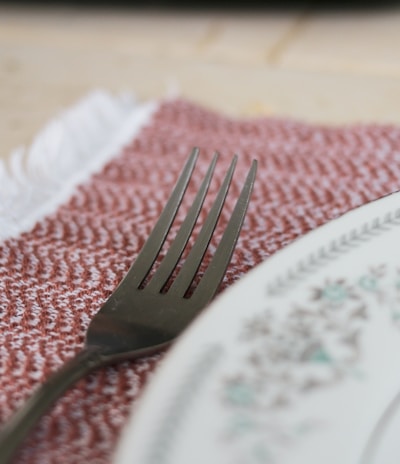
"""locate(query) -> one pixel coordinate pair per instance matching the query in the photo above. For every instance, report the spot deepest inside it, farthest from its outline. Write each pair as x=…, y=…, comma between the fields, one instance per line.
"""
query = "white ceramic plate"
x=299, y=362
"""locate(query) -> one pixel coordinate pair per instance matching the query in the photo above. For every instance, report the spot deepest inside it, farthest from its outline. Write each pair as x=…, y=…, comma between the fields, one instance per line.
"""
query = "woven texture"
x=55, y=277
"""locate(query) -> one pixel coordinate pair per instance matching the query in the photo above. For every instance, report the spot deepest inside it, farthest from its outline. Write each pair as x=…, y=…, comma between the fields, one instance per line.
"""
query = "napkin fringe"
x=76, y=144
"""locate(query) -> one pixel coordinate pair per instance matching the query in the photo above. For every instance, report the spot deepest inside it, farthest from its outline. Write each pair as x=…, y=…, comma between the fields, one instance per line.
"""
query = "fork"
x=143, y=316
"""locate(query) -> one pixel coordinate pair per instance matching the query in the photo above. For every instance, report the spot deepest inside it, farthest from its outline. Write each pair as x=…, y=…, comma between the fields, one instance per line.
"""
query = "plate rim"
x=390, y=215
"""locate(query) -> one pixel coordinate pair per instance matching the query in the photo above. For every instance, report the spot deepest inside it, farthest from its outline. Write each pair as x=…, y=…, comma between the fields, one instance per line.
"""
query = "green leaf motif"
x=320, y=356
x=239, y=394
x=369, y=283
x=335, y=293
x=241, y=424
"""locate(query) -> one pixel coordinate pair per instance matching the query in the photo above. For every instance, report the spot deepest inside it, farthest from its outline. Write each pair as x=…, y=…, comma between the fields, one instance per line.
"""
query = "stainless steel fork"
x=142, y=317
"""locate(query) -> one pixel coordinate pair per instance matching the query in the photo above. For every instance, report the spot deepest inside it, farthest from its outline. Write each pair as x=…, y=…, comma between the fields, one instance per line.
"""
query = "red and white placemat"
x=76, y=208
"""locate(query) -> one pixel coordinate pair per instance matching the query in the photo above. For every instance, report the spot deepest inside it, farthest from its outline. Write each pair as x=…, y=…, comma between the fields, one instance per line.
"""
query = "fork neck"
x=18, y=427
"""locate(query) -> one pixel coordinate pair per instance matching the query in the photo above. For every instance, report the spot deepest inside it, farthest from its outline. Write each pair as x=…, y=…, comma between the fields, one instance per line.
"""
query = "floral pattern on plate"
x=311, y=346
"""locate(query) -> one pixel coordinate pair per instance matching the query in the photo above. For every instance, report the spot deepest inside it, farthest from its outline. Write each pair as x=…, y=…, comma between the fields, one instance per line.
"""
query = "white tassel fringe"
x=34, y=182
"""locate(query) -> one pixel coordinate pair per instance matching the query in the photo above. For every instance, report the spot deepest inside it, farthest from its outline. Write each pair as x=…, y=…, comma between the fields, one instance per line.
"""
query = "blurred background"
x=324, y=62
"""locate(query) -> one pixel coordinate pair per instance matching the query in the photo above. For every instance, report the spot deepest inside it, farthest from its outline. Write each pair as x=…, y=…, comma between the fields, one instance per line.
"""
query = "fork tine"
x=145, y=259
x=189, y=268
x=175, y=251
x=215, y=271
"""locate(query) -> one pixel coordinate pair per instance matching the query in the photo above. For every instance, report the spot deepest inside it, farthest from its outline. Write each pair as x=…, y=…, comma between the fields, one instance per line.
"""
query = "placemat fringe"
x=77, y=143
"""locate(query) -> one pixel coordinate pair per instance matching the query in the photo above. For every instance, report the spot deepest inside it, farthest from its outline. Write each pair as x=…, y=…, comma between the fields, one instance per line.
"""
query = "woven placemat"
x=56, y=271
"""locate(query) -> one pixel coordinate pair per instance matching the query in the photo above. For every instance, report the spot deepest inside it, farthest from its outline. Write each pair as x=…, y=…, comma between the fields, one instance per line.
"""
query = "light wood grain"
x=353, y=42
x=327, y=69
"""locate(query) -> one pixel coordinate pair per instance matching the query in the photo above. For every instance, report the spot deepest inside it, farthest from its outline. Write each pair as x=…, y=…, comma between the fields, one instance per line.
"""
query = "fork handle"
x=19, y=426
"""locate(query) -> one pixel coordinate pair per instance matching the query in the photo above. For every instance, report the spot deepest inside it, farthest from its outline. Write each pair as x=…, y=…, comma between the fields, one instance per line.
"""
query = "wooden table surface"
x=320, y=66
